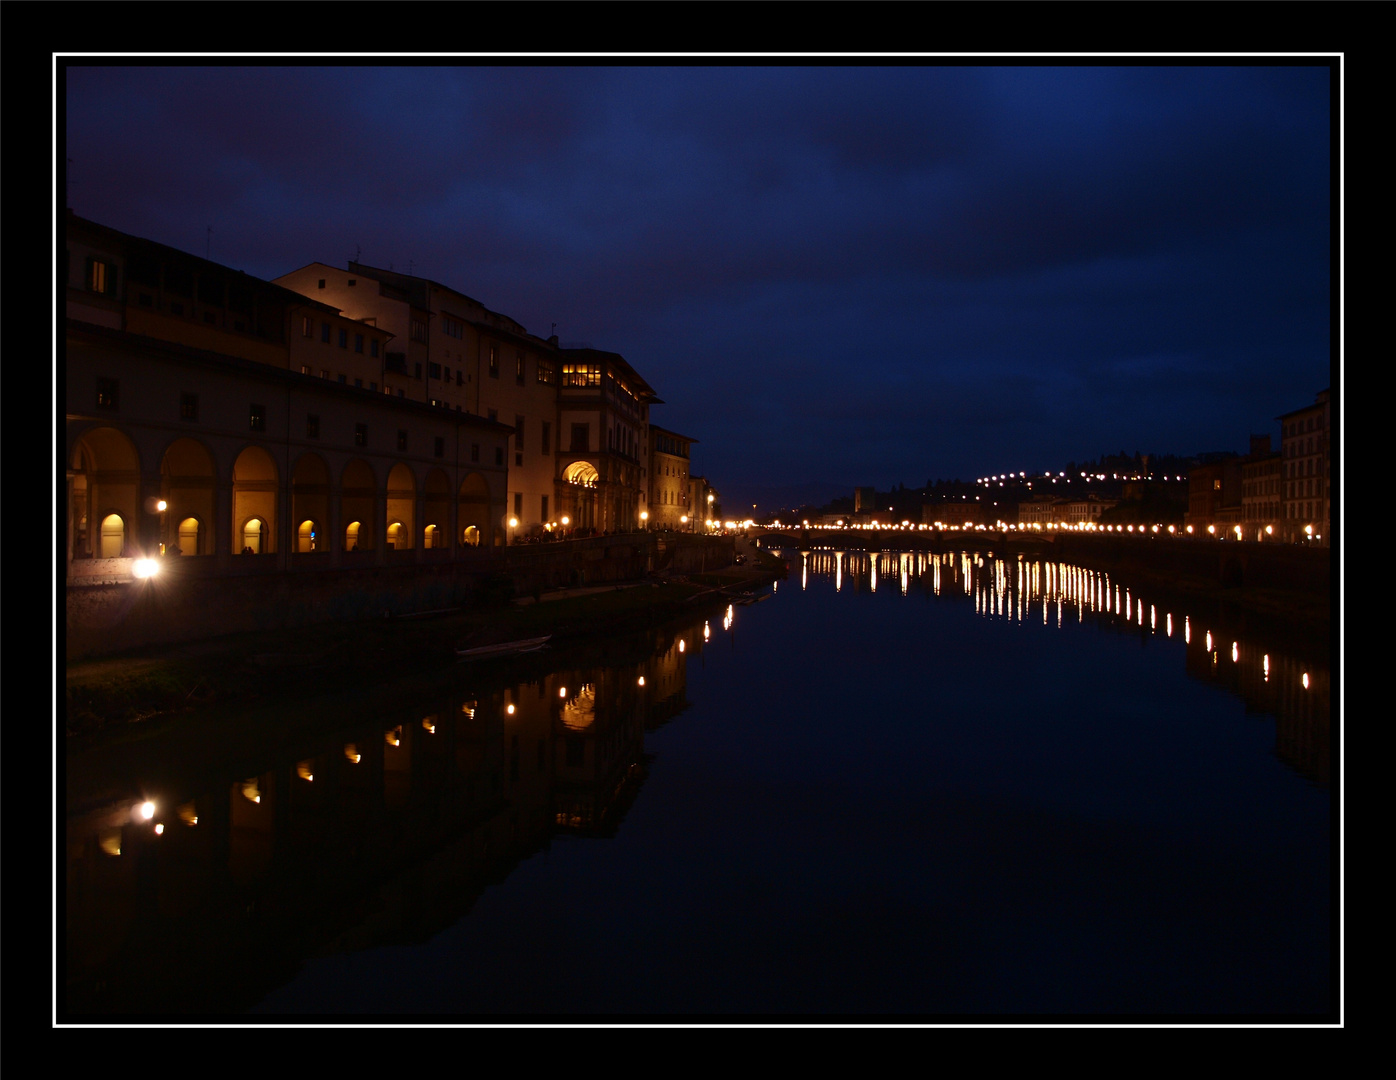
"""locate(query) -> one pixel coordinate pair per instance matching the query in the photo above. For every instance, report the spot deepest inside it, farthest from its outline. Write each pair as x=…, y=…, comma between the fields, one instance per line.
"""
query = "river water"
x=899, y=785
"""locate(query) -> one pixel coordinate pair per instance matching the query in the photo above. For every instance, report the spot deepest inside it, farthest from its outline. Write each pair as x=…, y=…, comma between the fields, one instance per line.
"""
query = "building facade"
x=1306, y=460
x=203, y=420
x=671, y=499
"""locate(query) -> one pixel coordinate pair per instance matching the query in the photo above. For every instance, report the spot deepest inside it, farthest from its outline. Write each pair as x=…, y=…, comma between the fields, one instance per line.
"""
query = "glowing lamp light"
x=566, y=520
x=146, y=810
x=1269, y=530
x=351, y=753
x=1305, y=680
x=160, y=505
x=145, y=568
x=1212, y=529
x=683, y=519
x=509, y=709
x=562, y=691
x=428, y=726
x=681, y=645
x=1189, y=530
x=642, y=680
x=160, y=829
x=513, y=523
x=304, y=771
x=644, y=515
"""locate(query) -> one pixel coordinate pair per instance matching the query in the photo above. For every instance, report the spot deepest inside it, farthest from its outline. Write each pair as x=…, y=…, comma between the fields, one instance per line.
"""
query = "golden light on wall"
x=393, y=736
x=305, y=770
x=188, y=814
x=351, y=753
x=251, y=792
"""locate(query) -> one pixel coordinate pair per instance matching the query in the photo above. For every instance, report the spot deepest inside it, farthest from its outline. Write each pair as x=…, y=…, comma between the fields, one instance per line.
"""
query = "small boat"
x=504, y=648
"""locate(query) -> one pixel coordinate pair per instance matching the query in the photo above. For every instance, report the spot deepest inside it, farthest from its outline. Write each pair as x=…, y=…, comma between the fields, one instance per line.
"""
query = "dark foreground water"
x=932, y=787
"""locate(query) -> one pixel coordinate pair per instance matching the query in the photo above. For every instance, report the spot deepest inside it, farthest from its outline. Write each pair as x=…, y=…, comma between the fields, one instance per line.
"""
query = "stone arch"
x=255, y=489
x=579, y=497
x=310, y=502
x=106, y=480
x=436, y=528
x=358, y=503
x=402, y=504
x=188, y=484
x=474, y=510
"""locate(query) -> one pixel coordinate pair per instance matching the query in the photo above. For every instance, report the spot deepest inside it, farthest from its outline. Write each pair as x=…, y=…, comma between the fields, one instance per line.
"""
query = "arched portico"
x=579, y=494
x=358, y=501
x=106, y=473
x=436, y=524
x=188, y=486
x=402, y=506
x=473, y=511
x=255, y=484
x=310, y=503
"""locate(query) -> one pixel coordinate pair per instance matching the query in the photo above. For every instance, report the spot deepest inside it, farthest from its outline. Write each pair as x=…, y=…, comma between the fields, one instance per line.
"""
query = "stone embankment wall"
x=192, y=598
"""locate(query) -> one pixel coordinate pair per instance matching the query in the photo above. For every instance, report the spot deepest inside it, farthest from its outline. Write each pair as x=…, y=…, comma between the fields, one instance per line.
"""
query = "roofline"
x=257, y=368
x=290, y=294
x=676, y=434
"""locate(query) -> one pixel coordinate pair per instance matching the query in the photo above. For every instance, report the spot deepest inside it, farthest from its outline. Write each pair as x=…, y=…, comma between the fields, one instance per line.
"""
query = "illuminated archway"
x=431, y=537
x=583, y=473
x=351, y=536
x=308, y=537
x=397, y=535
x=470, y=536
x=254, y=537
x=113, y=538
x=191, y=536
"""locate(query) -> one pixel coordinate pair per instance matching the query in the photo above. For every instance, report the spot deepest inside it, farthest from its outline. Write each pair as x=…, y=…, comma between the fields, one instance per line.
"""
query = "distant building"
x=1305, y=456
x=1084, y=510
x=1214, y=495
x=864, y=499
x=1261, y=489
x=1042, y=510
x=671, y=497
x=953, y=513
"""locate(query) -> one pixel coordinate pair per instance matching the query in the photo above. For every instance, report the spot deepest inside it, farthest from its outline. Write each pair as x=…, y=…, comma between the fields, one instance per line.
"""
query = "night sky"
x=833, y=276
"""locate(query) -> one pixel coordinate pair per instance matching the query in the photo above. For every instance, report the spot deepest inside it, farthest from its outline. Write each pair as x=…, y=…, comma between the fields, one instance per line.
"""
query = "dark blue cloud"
x=836, y=274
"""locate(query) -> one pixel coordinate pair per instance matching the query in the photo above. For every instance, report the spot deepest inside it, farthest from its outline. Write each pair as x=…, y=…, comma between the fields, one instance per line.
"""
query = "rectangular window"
x=360, y=434
x=107, y=393
x=257, y=417
x=325, y=332
x=324, y=373
x=343, y=338
x=305, y=369
x=475, y=451
x=519, y=369
x=452, y=327
x=307, y=326
x=401, y=439
x=359, y=383
x=188, y=406
x=499, y=455
x=312, y=426
x=545, y=508
x=547, y=372
x=433, y=370
x=373, y=348
x=373, y=386
x=459, y=373
x=494, y=361
x=418, y=372
x=343, y=379
x=101, y=276
x=419, y=329
x=518, y=505
x=581, y=438
x=518, y=432
x=440, y=448
x=494, y=416
x=581, y=374
x=358, y=343
x=547, y=436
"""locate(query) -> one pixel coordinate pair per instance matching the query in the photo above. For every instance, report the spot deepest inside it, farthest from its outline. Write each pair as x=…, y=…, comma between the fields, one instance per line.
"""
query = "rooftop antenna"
x=357, y=252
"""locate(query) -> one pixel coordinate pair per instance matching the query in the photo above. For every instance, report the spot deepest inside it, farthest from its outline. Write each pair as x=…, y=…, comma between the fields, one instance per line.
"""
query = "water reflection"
x=1294, y=691
x=386, y=836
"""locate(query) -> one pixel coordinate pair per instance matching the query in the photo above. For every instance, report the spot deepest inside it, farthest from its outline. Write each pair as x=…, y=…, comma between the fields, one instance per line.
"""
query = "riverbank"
x=216, y=700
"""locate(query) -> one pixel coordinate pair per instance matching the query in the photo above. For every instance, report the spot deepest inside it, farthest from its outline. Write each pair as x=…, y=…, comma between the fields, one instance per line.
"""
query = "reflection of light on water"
x=681, y=645
x=1306, y=680
x=1235, y=652
x=1266, y=665
x=707, y=631
x=1170, y=624
x=1153, y=618
x=579, y=713
x=1187, y=630
x=1209, y=641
